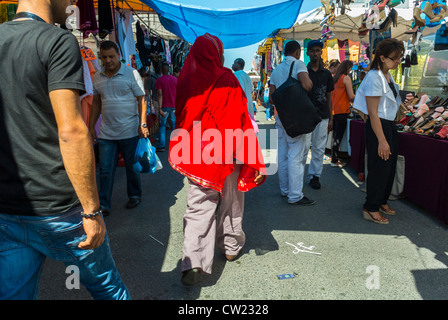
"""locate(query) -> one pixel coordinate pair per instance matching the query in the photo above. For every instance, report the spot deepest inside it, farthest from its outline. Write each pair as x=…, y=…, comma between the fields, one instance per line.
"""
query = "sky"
x=247, y=53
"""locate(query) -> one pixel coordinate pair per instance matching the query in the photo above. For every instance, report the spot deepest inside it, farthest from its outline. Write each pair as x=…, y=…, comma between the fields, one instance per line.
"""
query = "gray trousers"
x=211, y=218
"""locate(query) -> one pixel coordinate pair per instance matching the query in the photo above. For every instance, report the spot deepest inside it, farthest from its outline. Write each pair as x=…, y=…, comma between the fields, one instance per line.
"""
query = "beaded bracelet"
x=91, y=215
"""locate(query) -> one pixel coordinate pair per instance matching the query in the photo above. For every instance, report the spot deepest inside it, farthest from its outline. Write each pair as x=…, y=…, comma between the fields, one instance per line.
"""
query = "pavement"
x=349, y=258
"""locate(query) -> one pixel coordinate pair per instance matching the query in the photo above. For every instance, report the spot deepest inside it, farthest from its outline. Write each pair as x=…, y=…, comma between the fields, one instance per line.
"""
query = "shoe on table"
x=190, y=277
x=133, y=202
x=314, y=183
x=304, y=202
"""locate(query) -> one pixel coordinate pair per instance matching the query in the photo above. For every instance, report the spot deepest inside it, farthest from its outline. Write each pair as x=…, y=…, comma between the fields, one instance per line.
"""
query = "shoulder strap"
x=290, y=69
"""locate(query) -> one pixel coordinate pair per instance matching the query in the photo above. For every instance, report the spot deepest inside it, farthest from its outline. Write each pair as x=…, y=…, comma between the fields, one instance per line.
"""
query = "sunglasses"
x=395, y=59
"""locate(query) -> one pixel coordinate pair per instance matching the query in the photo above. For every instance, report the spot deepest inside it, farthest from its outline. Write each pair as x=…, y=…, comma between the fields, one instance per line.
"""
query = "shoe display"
x=326, y=5
x=443, y=133
x=426, y=117
x=428, y=10
x=392, y=19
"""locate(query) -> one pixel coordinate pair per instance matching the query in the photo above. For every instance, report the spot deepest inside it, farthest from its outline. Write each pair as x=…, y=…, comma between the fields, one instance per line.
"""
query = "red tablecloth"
x=426, y=168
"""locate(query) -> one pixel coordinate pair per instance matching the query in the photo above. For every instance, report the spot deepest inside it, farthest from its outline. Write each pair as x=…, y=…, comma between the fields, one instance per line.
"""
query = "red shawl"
x=210, y=104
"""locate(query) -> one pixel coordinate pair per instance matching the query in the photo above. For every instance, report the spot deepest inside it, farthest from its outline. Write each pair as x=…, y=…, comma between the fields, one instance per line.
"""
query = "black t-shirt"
x=322, y=84
x=35, y=58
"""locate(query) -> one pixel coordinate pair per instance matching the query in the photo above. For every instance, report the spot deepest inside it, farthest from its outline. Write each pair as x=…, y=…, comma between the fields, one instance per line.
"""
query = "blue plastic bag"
x=145, y=158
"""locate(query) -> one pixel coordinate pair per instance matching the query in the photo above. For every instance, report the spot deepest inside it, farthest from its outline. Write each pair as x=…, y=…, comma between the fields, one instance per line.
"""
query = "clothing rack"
x=151, y=31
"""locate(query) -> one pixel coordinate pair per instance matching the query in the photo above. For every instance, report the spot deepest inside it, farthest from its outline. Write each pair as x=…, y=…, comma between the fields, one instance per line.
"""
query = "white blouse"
x=375, y=85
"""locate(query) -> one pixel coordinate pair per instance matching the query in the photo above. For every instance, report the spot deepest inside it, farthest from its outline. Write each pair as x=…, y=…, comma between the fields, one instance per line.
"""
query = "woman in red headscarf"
x=215, y=147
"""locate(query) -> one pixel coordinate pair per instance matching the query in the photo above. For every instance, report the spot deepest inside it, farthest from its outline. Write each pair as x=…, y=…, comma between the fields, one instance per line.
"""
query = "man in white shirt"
x=246, y=83
x=291, y=150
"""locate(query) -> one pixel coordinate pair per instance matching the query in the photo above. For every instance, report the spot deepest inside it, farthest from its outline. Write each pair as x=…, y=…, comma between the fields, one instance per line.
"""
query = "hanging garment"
x=156, y=45
x=342, y=46
x=90, y=67
x=125, y=35
x=306, y=59
x=333, y=49
x=167, y=52
x=12, y=8
x=143, y=51
x=87, y=17
x=105, y=20
x=353, y=48
x=4, y=13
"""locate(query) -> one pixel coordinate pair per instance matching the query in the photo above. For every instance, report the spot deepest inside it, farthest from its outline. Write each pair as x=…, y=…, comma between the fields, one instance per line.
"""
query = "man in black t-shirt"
x=320, y=95
x=49, y=203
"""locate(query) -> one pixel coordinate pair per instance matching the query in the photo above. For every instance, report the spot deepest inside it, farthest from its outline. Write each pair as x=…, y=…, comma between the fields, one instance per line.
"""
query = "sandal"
x=442, y=134
x=368, y=216
x=387, y=210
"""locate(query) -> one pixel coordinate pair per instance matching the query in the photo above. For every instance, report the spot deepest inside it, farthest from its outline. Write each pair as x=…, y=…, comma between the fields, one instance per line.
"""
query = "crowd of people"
x=50, y=204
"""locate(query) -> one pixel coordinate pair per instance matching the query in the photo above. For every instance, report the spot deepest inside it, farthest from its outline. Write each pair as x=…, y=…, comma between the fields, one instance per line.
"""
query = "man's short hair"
x=240, y=62
x=106, y=45
x=291, y=47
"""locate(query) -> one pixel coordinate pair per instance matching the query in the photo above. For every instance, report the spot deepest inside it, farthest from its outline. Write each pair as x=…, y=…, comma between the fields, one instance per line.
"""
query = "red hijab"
x=209, y=99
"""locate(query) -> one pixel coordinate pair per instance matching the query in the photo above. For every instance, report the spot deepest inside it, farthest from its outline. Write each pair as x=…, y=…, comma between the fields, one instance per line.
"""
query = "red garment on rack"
x=87, y=17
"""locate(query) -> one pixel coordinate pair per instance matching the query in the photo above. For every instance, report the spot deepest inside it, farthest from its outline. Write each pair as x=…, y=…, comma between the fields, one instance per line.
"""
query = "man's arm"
x=142, y=111
x=272, y=88
x=78, y=157
x=159, y=101
x=94, y=115
x=330, y=107
x=305, y=81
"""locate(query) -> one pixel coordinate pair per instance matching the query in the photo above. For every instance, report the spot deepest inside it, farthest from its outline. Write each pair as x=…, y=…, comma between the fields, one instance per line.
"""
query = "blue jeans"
x=26, y=241
x=169, y=112
x=269, y=111
x=109, y=151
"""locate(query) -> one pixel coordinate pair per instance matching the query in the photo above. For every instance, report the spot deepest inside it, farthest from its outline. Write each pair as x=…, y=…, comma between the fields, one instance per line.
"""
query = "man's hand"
x=258, y=177
x=95, y=230
x=92, y=132
x=143, y=132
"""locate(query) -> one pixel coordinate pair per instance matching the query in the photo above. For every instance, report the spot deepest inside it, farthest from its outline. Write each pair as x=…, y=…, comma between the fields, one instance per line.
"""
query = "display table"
x=426, y=168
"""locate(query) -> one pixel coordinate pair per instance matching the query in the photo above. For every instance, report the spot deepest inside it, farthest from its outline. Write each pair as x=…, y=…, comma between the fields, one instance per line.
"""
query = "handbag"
x=295, y=109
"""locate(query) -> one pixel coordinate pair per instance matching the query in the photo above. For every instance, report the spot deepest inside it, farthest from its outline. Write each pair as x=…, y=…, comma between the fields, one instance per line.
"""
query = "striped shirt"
x=119, y=108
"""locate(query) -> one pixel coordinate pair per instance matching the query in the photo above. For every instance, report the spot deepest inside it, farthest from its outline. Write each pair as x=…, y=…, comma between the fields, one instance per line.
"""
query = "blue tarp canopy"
x=238, y=23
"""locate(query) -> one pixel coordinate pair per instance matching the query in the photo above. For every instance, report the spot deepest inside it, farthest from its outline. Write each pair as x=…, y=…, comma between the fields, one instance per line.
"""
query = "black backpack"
x=295, y=109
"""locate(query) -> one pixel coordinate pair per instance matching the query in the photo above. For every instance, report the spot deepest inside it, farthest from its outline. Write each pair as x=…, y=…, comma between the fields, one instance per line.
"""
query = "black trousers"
x=381, y=173
x=339, y=126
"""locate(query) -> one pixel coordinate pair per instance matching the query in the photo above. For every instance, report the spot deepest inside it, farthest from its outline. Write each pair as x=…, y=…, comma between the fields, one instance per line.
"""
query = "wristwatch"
x=143, y=125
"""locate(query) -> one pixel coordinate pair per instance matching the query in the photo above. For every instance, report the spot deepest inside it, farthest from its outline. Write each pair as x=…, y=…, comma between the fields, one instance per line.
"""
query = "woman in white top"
x=378, y=96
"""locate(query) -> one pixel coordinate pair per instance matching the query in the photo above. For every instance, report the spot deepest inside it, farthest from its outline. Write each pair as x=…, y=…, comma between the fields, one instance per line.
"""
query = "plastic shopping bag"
x=145, y=158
